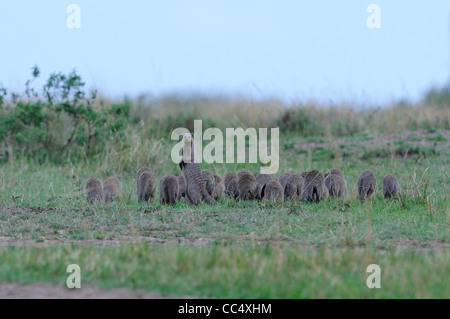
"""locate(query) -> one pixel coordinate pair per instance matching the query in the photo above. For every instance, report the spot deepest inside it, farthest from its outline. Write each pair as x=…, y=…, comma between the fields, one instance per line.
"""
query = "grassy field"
x=237, y=249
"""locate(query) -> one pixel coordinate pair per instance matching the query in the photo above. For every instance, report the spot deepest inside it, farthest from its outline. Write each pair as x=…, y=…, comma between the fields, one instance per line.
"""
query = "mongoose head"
x=187, y=137
x=148, y=196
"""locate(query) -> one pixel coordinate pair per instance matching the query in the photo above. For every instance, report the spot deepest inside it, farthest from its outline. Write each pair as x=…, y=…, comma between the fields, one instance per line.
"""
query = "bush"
x=46, y=125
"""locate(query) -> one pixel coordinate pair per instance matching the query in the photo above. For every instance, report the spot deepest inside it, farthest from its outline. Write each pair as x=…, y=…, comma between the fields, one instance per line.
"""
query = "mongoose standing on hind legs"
x=314, y=189
x=232, y=185
x=112, y=188
x=146, y=185
x=94, y=190
x=391, y=186
x=367, y=184
x=335, y=182
x=168, y=189
x=195, y=186
x=248, y=187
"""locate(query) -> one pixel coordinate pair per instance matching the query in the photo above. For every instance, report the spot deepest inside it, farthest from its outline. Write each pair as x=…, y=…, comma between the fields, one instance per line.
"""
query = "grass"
x=235, y=249
x=235, y=271
x=437, y=138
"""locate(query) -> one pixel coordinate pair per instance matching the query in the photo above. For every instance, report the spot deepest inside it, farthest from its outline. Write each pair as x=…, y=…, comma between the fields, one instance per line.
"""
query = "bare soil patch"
x=11, y=241
x=43, y=291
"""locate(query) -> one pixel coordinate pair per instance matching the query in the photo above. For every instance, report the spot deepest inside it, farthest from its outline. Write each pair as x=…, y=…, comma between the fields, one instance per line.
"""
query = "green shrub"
x=46, y=125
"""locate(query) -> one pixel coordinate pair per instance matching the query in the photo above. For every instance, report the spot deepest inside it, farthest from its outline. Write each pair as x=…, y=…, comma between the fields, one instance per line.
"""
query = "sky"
x=293, y=50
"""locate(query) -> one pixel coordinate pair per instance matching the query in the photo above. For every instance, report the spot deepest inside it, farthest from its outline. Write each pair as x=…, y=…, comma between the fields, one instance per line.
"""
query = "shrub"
x=47, y=124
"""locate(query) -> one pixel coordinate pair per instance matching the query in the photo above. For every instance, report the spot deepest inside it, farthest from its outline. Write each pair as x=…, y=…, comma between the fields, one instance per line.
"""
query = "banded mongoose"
x=195, y=186
x=94, y=190
x=208, y=179
x=146, y=186
x=181, y=187
x=262, y=180
x=112, y=188
x=273, y=191
x=284, y=178
x=293, y=187
x=140, y=171
x=168, y=189
x=248, y=187
x=243, y=171
x=314, y=189
x=335, y=182
x=232, y=185
x=335, y=171
x=219, y=187
x=391, y=186
x=367, y=183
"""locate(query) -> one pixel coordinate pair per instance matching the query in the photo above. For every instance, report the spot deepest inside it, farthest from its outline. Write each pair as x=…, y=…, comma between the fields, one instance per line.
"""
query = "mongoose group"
x=195, y=186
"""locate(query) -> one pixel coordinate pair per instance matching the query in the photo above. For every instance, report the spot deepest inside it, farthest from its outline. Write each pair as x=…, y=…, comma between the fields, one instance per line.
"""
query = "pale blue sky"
x=294, y=50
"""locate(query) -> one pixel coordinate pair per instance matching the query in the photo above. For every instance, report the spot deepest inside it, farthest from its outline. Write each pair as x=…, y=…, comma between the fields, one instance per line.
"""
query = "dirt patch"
x=434, y=245
x=43, y=291
x=14, y=210
x=399, y=244
x=11, y=241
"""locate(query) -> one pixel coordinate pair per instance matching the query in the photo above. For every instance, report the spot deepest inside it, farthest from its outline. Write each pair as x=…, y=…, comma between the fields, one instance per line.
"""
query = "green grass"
x=437, y=138
x=236, y=271
x=235, y=249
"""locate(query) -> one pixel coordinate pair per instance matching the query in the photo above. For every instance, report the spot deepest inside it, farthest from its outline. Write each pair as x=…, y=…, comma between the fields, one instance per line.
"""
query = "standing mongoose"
x=273, y=191
x=146, y=186
x=391, y=186
x=284, y=178
x=314, y=189
x=195, y=186
x=293, y=187
x=219, y=187
x=367, y=184
x=248, y=187
x=335, y=182
x=168, y=189
x=94, y=190
x=262, y=180
x=112, y=188
x=232, y=185
x=208, y=179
